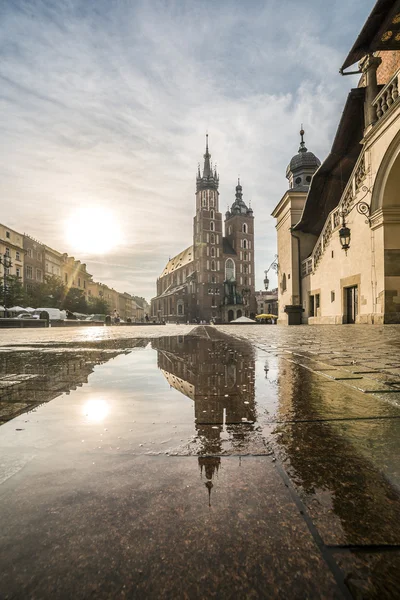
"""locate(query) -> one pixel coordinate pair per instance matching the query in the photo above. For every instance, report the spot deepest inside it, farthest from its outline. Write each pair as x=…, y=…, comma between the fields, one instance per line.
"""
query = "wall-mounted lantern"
x=273, y=265
x=364, y=209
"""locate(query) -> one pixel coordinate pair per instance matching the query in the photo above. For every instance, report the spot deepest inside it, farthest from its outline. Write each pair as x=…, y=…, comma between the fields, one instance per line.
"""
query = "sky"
x=104, y=106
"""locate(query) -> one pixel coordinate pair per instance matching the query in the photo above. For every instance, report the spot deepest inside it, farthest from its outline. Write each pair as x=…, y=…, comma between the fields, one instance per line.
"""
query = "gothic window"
x=244, y=228
x=212, y=251
x=212, y=238
x=245, y=268
x=212, y=215
x=180, y=307
x=230, y=270
x=213, y=279
x=212, y=226
x=213, y=265
x=245, y=256
x=244, y=243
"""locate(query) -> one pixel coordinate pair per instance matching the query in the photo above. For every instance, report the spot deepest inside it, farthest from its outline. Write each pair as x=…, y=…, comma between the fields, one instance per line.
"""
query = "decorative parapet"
x=387, y=97
x=333, y=221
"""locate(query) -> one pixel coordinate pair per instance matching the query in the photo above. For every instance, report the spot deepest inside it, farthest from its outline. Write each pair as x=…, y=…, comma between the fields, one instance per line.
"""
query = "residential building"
x=74, y=274
x=53, y=262
x=339, y=238
x=213, y=279
x=267, y=302
x=34, y=269
x=12, y=244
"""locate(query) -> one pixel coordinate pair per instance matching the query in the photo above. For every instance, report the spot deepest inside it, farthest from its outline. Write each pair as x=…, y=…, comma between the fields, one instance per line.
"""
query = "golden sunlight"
x=93, y=229
x=96, y=410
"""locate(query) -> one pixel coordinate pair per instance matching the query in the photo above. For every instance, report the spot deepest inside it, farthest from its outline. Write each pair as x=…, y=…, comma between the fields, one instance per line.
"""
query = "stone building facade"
x=34, y=268
x=339, y=238
x=213, y=279
x=12, y=245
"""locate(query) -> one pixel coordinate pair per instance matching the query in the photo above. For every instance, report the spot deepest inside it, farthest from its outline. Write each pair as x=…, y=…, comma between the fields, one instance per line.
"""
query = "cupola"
x=302, y=167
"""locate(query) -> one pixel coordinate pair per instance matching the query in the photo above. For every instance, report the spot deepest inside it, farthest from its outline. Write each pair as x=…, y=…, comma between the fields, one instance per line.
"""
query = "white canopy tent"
x=243, y=320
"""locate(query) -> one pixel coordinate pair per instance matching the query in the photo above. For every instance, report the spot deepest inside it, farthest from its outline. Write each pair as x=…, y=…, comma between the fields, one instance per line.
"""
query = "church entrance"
x=351, y=303
x=230, y=315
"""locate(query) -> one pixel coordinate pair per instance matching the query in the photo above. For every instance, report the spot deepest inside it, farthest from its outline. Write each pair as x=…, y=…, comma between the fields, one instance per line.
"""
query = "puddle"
x=137, y=429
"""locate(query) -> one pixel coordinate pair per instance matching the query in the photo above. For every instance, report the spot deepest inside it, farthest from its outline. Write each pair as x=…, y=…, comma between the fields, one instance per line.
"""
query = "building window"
x=332, y=296
x=212, y=215
x=29, y=252
x=79, y=282
x=7, y=252
x=213, y=279
x=212, y=226
x=38, y=275
x=18, y=272
x=17, y=256
x=229, y=270
x=29, y=272
x=213, y=265
x=244, y=243
x=244, y=228
x=212, y=251
x=212, y=238
x=8, y=234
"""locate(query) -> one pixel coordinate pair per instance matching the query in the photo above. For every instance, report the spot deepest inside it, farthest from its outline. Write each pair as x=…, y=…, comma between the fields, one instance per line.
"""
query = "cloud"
x=107, y=103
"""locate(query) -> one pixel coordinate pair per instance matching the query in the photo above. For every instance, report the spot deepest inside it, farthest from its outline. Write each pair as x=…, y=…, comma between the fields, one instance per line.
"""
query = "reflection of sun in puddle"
x=96, y=409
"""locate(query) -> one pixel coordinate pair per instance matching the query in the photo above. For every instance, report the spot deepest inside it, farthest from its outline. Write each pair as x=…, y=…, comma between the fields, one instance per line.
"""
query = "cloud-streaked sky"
x=106, y=103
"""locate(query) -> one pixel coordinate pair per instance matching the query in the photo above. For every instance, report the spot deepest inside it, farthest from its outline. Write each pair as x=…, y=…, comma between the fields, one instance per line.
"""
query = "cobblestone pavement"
x=360, y=357
x=264, y=459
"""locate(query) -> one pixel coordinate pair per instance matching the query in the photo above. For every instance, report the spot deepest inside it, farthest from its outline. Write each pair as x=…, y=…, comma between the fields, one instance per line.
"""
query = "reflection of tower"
x=211, y=466
x=217, y=373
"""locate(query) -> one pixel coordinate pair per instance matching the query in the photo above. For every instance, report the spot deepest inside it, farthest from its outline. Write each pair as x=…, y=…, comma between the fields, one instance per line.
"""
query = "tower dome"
x=303, y=165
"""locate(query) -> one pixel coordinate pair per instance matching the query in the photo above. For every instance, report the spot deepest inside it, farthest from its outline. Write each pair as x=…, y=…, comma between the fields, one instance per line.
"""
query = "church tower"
x=239, y=233
x=207, y=241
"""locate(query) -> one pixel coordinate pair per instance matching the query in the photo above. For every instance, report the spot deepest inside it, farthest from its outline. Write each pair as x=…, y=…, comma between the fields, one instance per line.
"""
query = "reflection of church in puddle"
x=219, y=377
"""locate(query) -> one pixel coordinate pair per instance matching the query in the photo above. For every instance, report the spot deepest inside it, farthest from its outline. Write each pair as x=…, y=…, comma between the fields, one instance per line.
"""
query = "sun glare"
x=94, y=230
x=96, y=410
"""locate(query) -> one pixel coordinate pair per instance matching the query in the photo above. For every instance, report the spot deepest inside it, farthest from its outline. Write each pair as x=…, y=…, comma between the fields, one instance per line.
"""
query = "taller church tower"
x=207, y=241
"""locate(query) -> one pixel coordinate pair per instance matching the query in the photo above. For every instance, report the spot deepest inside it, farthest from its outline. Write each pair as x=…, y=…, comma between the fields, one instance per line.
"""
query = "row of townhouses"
x=32, y=261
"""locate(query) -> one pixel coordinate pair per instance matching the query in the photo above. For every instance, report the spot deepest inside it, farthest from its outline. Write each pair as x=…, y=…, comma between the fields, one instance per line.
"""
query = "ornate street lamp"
x=364, y=209
x=274, y=265
x=344, y=236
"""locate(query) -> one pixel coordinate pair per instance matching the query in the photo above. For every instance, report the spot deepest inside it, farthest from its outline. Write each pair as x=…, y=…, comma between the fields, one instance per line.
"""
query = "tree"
x=98, y=306
x=49, y=294
x=75, y=301
x=15, y=293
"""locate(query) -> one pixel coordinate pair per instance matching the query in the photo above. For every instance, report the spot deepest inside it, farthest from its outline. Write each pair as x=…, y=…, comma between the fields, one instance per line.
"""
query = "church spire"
x=209, y=180
x=207, y=168
x=302, y=143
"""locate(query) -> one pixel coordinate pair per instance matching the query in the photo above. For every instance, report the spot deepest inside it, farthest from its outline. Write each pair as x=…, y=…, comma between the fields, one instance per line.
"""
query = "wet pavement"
x=192, y=464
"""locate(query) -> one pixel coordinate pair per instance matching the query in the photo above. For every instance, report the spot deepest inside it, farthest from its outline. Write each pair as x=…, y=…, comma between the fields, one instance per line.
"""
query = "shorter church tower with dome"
x=288, y=212
x=213, y=279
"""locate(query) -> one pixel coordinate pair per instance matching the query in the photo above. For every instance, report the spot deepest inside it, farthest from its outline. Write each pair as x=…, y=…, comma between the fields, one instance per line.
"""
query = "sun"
x=93, y=230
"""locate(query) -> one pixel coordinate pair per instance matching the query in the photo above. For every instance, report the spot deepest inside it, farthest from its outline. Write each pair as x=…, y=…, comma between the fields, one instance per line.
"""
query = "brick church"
x=213, y=279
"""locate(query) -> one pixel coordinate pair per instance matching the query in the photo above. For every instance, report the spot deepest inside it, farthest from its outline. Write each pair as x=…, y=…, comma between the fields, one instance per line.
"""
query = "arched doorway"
x=239, y=313
x=230, y=315
x=385, y=213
